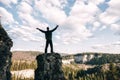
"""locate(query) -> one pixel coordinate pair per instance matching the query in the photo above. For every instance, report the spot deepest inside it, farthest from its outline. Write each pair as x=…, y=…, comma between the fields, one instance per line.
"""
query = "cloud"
x=15, y=29
x=8, y=3
x=51, y=10
x=96, y=2
x=96, y=25
x=31, y=2
x=110, y=18
x=25, y=33
x=103, y=27
x=79, y=16
x=107, y=18
x=7, y=17
x=97, y=46
x=25, y=8
x=25, y=12
x=111, y=15
x=108, y=48
x=85, y=13
x=115, y=27
x=117, y=43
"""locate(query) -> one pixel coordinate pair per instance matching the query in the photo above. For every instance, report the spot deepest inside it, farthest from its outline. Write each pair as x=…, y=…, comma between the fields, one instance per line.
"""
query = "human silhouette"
x=48, y=36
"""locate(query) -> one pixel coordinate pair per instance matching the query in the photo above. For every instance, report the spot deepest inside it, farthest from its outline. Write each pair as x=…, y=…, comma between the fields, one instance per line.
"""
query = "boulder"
x=49, y=67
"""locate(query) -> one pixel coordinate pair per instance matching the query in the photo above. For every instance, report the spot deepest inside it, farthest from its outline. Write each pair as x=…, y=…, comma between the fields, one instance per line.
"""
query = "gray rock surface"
x=49, y=67
x=5, y=55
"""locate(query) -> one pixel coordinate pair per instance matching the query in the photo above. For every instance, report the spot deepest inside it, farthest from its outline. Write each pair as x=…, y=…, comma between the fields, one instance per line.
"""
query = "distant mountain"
x=28, y=55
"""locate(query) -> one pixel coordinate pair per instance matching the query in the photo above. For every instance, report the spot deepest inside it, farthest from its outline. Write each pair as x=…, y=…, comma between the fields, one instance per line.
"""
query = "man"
x=48, y=36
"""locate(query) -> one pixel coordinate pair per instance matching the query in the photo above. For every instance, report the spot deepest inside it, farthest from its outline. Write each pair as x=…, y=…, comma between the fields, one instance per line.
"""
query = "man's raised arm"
x=55, y=28
x=40, y=30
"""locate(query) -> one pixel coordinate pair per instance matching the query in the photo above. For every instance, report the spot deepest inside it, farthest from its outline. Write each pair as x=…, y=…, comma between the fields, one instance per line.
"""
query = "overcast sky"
x=84, y=25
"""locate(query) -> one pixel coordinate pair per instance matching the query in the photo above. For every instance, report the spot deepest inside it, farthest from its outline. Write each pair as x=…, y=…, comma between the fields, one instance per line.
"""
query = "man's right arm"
x=40, y=30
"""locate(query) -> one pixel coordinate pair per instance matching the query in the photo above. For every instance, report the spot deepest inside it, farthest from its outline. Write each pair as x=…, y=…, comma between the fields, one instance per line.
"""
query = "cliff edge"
x=5, y=55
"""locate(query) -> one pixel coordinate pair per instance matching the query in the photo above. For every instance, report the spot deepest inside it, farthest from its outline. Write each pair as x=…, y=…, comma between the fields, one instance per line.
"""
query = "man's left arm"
x=55, y=28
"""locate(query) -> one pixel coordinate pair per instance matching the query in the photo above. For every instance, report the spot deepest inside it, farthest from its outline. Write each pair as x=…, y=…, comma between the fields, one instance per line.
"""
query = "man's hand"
x=37, y=28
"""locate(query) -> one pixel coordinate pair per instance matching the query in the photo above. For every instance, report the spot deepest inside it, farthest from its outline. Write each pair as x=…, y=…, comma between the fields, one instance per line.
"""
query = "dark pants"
x=51, y=45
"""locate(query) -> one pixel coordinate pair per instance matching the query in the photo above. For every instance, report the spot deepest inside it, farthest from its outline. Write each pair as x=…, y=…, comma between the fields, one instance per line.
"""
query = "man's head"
x=47, y=28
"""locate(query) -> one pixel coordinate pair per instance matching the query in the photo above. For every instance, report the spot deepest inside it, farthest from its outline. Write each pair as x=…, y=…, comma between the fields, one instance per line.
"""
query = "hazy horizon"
x=63, y=52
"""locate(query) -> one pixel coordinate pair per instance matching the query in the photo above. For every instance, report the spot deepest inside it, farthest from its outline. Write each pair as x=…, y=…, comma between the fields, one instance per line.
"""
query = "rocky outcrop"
x=83, y=58
x=5, y=55
x=49, y=67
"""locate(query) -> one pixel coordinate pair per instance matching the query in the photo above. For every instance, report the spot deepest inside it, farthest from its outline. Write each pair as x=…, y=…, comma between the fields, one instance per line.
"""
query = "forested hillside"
x=105, y=58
